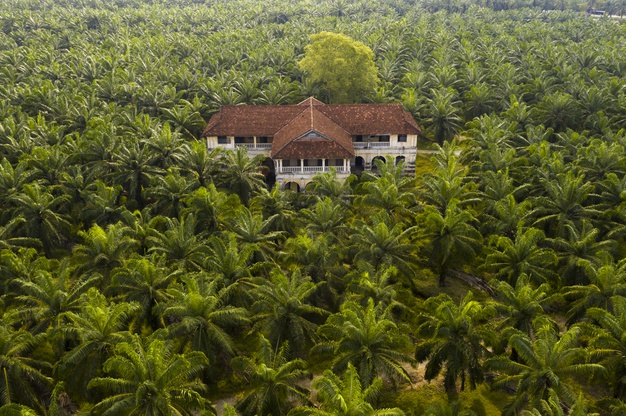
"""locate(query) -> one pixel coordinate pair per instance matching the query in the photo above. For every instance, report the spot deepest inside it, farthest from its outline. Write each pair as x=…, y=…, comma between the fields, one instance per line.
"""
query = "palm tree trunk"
x=442, y=277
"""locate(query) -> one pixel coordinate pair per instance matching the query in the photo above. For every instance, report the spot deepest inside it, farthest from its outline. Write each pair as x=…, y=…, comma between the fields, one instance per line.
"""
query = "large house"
x=302, y=140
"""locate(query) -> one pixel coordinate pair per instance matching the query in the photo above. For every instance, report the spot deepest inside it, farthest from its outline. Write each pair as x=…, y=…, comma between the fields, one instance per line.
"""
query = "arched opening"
x=269, y=171
x=374, y=167
x=308, y=187
x=292, y=186
x=359, y=165
x=399, y=159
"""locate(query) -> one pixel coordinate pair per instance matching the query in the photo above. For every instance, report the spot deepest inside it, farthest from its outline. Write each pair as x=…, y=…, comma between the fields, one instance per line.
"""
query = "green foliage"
x=117, y=223
x=344, y=66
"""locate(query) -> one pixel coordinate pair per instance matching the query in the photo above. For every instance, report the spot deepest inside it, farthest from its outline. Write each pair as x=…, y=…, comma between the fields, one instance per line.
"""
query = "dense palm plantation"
x=141, y=273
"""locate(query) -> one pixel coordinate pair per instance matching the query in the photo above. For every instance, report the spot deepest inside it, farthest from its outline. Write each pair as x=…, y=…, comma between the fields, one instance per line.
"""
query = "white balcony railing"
x=252, y=146
x=371, y=145
x=311, y=169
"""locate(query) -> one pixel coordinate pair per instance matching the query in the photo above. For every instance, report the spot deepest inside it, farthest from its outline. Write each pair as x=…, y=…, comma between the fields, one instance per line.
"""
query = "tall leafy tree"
x=545, y=365
x=95, y=329
x=344, y=66
x=283, y=312
x=273, y=379
x=46, y=218
x=363, y=338
x=240, y=174
x=23, y=378
x=146, y=377
x=199, y=318
x=451, y=238
x=345, y=395
x=452, y=340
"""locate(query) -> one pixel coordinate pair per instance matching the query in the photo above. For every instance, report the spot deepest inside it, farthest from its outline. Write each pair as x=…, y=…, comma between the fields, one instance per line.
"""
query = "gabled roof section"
x=250, y=120
x=371, y=118
x=310, y=126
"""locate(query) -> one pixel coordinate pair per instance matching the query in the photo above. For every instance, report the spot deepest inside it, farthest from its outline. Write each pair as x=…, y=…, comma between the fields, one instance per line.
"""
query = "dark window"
x=384, y=138
x=222, y=140
x=262, y=139
x=359, y=138
x=401, y=138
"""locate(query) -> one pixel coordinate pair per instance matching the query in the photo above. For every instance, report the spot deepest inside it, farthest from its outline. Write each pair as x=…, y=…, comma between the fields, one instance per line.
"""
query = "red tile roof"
x=332, y=125
x=322, y=128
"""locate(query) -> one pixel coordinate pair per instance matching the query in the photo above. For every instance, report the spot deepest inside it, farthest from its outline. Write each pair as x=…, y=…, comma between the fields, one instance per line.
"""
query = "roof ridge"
x=335, y=123
x=287, y=124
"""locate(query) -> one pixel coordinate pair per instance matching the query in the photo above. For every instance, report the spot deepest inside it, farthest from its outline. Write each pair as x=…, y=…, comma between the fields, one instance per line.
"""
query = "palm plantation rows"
x=141, y=273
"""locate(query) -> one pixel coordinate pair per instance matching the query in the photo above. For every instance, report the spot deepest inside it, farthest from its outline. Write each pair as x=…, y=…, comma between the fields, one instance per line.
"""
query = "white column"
x=301, y=165
x=254, y=141
x=323, y=165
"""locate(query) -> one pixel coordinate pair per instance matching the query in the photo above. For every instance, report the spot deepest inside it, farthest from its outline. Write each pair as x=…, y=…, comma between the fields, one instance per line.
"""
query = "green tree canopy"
x=344, y=66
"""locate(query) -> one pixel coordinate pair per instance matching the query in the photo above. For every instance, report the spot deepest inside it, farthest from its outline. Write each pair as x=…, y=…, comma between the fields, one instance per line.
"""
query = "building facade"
x=302, y=140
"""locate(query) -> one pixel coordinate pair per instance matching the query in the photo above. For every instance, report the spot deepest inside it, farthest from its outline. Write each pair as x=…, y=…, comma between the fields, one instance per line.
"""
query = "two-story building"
x=311, y=137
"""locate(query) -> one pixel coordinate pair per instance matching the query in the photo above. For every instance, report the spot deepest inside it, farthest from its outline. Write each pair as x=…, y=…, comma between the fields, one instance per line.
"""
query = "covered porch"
x=311, y=166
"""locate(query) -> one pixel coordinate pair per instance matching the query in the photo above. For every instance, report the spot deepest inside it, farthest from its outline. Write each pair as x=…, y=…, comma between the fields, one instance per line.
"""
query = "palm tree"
x=452, y=335
x=276, y=204
x=12, y=180
x=580, y=253
x=383, y=245
x=605, y=284
x=553, y=407
x=144, y=281
x=558, y=111
x=96, y=329
x=44, y=211
x=451, y=239
x=564, y=203
x=608, y=343
x=347, y=395
x=103, y=249
x=283, y=312
x=23, y=378
x=362, y=338
x=523, y=306
x=201, y=162
x=319, y=257
x=241, y=175
x=211, y=207
x=166, y=148
x=167, y=193
x=9, y=239
x=326, y=217
x=380, y=285
x=443, y=115
x=524, y=255
x=385, y=195
x=47, y=296
x=179, y=243
x=326, y=185
x=147, y=378
x=133, y=167
x=273, y=379
x=251, y=228
x=543, y=365
x=198, y=317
